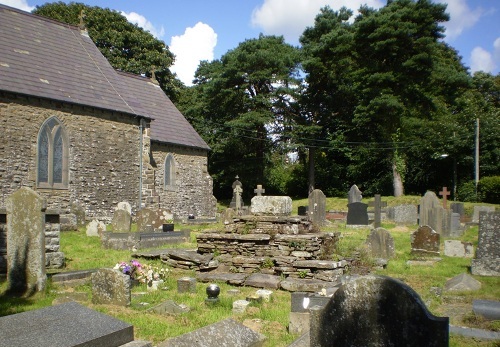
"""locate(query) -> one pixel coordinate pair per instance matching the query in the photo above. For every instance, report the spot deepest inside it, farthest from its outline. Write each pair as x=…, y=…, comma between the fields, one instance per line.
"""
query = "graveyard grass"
x=270, y=318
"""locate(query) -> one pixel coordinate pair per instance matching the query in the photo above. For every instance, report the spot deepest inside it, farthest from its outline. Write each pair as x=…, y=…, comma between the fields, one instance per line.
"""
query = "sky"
x=196, y=30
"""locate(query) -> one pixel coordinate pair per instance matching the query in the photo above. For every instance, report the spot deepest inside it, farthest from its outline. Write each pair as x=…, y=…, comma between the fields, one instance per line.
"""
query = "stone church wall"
x=193, y=192
x=103, y=154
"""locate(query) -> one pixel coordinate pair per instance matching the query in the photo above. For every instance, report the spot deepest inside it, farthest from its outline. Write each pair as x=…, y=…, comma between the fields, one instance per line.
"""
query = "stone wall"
x=193, y=191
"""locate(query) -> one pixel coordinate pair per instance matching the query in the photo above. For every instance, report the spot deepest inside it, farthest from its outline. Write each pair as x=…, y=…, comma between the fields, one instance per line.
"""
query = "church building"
x=85, y=136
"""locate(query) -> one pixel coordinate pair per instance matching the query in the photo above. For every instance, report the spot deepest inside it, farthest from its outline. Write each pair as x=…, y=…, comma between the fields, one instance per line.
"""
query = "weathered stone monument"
x=317, y=207
x=380, y=243
x=237, y=202
x=425, y=241
x=152, y=220
x=431, y=211
x=354, y=195
x=95, y=228
x=25, y=242
x=110, y=287
x=271, y=205
x=376, y=311
x=122, y=221
x=487, y=261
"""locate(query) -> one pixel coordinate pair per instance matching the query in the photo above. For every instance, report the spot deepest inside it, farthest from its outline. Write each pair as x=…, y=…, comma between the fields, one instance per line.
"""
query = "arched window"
x=169, y=171
x=52, y=156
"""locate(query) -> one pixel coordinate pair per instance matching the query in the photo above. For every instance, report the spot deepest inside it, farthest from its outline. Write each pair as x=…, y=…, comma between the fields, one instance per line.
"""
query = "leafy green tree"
x=126, y=46
x=245, y=101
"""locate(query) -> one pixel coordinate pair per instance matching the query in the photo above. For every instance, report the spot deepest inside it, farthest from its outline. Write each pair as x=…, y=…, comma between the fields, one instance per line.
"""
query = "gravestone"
x=377, y=205
x=354, y=195
x=459, y=249
x=479, y=209
x=121, y=222
x=186, y=285
x=110, y=287
x=462, y=282
x=259, y=190
x=154, y=219
x=229, y=215
x=487, y=261
x=455, y=226
x=227, y=332
x=236, y=201
x=124, y=205
x=25, y=242
x=458, y=207
x=403, y=214
x=428, y=204
x=376, y=311
x=444, y=193
x=317, y=207
x=425, y=241
x=68, y=324
x=95, y=228
x=380, y=243
x=488, y=309
x=169, y=308
x=357, y=213
x=240, y=306
x=271, y=205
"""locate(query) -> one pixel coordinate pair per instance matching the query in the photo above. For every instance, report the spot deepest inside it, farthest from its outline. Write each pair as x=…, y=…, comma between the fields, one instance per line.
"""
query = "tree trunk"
x=311, y=169
x=397, y=181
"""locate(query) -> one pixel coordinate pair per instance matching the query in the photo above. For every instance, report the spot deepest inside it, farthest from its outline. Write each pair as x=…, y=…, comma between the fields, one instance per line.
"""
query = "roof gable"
x=44, y=58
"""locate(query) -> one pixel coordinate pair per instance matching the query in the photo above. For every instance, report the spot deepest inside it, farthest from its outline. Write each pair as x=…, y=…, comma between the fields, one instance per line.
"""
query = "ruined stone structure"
x=87, y=137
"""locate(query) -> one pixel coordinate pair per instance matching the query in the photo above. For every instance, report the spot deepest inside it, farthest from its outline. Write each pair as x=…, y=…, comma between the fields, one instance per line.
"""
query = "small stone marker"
x=259, y=190
x=169, y=308
x=459, y=249
x=377, y=205
x=110, y=287
x=444, y=193
x=376, y=311
x=380, y=243
x=95, y=228
x=462, y=282
x=240, y=306
x=186, y=285
x=317, y=207
x=25, y=242
x=227, y=332
x=487, y=261
x=425, y=241
x=67, y=324
x=122, y=221
x=264, y=294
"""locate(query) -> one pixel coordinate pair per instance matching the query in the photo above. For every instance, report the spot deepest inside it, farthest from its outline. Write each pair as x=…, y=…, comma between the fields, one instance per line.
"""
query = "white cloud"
x=196, y=44
x=461, y=17
x=141, y=21
x=20, y=4
x=496, y=50
x=290, y=17
x=481, y=60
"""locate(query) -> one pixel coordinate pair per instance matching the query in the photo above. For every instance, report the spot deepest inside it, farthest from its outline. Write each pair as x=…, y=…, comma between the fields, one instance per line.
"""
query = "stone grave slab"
x=25, y=242
x=488, y=309
x=317, y=207
x=122, y=221
x=357, y=213
x=403, y=214
x=487, y=261
x=110, y=287
x=462, y=282
x=66, y=325
x=169, y=308
x=227, y=332
x=95, y=228
x=154, y=219
x=186, y=285
x=425, y=241
x=382, y=311
x=427, y=204
x=259, y=280
x=271, y=205
x=459, y=249
x=380, y=243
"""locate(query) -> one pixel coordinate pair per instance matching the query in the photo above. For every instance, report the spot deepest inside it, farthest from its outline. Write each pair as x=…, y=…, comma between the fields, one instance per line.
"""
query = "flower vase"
x=153, y=285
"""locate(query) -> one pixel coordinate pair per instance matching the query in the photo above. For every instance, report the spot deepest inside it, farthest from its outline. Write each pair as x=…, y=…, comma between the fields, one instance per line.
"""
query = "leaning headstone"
x=380, y=243
x=357, y=213
x=354, y=195
x=95, y=228
x=479, y=209
x=110, y=287
x=317, y=207
x=124, y=205
x=487, y=261
x=67, y=324
x=462, y=282
x=25, y=242
x=425, y=241
x=271, y=205
x=459, y=249
x=376, y=311
x=122, y=221
x=227, y=332
x=403, y=214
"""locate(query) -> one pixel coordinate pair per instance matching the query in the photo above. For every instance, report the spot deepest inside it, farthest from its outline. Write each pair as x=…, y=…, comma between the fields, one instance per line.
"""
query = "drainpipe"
x=141, y=150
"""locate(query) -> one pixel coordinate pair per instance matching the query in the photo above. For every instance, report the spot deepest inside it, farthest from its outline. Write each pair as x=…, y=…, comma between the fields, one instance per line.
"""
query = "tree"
x=126, y=46
x=245, y=101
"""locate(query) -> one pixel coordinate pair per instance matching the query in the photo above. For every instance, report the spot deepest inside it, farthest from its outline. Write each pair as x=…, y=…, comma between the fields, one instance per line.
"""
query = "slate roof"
x=48, y=59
